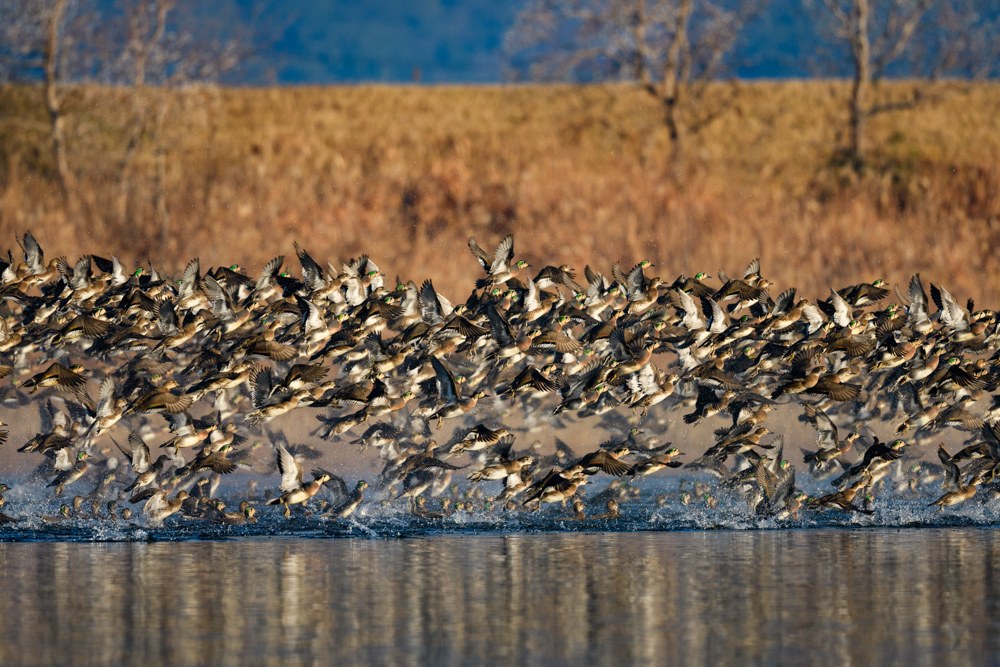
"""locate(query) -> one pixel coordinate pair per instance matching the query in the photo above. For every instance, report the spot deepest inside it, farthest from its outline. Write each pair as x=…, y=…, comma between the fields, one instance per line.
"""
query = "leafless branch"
x=881, y=34
x=671, y=49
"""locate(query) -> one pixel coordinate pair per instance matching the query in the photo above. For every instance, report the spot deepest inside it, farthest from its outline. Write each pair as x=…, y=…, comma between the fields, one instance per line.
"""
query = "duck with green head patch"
x=293, y=490
x=70, y=470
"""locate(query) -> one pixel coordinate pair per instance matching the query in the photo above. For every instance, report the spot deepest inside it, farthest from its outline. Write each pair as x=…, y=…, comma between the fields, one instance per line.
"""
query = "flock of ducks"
x=197, y=369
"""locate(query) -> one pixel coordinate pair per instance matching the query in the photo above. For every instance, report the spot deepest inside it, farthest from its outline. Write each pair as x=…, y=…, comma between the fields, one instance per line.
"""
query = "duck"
x=246, y=514
x=953, y=479
x=844, y=500
x=476, y=439
x=558, y=486
x=293, y=490
x=4, y=518
x=158, y=507
x=958, y=497
x=210, y=459
x=594, y=358
x=59, y=376
x=614, y=511
x=69, y=471
x=876, y=457
x=110, y=409
x=64, y=513
x=502, y=470
x=188, y=432
x=605, y=460
x=500, y=267
x=161, y=399
x=138, y=455
x=454, y=404
x=656, y=463
x=350, y=502
x=420, y=509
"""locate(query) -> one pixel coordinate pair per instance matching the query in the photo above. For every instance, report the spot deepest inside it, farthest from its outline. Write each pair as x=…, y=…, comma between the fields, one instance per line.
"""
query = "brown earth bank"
x=581, y=175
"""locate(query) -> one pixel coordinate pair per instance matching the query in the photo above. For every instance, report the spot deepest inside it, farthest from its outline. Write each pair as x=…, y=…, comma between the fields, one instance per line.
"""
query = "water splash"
x=658, y=507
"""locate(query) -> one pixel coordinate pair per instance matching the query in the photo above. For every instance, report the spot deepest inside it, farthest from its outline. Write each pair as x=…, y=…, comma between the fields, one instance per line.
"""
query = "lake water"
x=832, y=596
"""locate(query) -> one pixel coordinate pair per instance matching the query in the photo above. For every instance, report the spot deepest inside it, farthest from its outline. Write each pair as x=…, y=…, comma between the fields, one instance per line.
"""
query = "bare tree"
x=154, y=47
x=36, y=46
x=144, y=32
x=53, y=100
x=876, y=33
x=145, y=47
x=924, y=39
x=961, y=38
x=671, y=48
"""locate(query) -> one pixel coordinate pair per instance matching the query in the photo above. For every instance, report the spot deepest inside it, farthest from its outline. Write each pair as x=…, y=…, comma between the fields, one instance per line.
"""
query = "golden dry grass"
x=580, y=174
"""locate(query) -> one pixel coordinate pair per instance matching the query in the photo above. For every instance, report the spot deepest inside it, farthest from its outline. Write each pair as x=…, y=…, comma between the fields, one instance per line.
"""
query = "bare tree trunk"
x=125, y=177
x=134, y=134
x=673, y=49
x=861, y=55
x=53, y=101
x=141, y=43
x=875, y=42
x=640, y=66
x=160, y=187
x=673, y=83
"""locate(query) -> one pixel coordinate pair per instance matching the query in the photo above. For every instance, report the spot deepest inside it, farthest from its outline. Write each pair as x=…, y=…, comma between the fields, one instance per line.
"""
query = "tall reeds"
x=580, y=174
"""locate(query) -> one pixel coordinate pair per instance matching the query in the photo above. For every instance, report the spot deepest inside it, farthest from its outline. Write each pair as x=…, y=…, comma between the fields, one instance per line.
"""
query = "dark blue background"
x=450, y=41
x=461, y=41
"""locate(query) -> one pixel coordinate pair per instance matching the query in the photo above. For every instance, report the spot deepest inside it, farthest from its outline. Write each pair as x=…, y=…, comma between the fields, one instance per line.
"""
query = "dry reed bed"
x=580, y=174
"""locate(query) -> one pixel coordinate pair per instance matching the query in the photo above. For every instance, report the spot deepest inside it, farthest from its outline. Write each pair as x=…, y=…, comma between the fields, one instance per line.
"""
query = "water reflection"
x=806, y=597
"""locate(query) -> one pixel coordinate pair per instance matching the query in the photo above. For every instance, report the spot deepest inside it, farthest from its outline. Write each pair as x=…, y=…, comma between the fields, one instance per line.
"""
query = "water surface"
x=828, y=596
